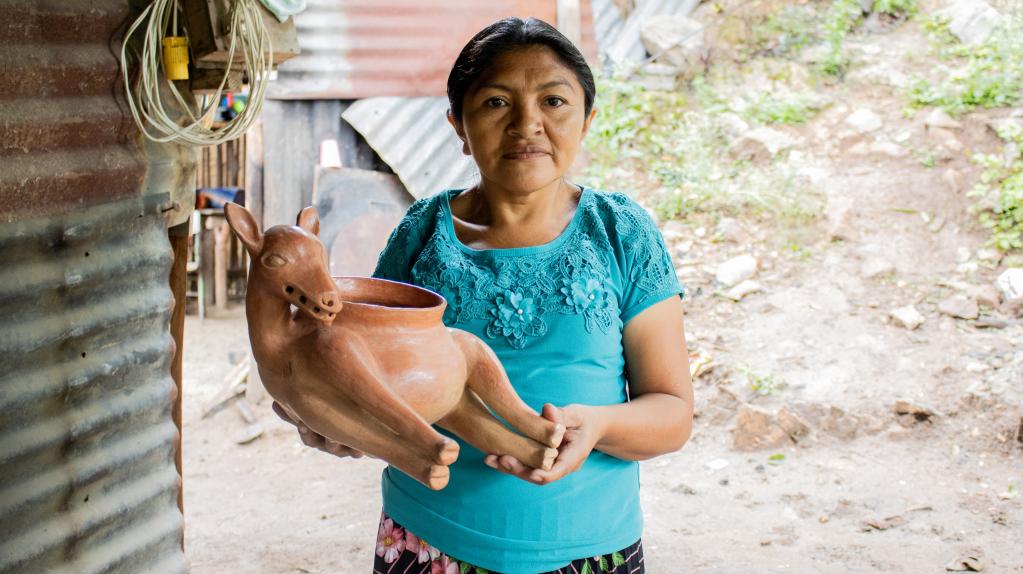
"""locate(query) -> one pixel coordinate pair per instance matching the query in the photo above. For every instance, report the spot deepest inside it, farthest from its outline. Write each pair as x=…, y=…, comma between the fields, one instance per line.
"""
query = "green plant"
x=896, y=8
x=839, y=21
x=1000, y=191
x=769, y=108
x=784, y=32
x=988, y=75
x=762, y=384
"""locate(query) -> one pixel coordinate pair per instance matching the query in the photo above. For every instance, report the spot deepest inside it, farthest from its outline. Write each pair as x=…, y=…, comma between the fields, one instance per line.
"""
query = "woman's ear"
x=460, y=131
x=588, y=121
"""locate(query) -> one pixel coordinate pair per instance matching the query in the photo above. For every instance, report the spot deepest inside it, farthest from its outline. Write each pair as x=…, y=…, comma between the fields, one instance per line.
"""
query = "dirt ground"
x=861, y=489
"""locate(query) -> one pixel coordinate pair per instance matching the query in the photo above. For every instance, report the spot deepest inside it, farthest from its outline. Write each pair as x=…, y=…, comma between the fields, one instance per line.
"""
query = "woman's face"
x=524, y=120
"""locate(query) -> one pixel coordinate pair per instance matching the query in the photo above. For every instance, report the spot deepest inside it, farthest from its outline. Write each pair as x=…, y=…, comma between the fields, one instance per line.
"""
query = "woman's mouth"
x=529, y=153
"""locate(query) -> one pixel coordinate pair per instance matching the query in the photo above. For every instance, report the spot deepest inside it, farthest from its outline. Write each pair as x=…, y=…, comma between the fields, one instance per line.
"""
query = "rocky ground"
x=858, y=394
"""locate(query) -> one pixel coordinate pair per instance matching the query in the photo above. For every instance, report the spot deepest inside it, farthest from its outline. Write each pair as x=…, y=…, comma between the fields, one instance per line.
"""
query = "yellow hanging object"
x=175, y=57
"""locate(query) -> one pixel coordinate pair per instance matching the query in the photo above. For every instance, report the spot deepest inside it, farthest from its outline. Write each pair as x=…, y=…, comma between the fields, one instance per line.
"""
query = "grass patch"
x=1000, y=191
x=784, y=108
x=685, y=149
x=989, y=75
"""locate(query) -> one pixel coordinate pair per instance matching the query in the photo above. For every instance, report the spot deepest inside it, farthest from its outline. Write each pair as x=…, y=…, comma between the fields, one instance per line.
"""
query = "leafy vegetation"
x=988, y=75
x=684, y=150
x=1000, y=191
x=839, y=21
x=786, y=108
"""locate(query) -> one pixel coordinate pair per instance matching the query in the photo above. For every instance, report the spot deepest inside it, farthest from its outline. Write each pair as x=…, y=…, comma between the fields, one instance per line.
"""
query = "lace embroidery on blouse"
x=514, y=294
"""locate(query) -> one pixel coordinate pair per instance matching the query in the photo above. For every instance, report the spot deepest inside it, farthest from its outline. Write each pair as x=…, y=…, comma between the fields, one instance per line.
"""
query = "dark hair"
x=507, y=35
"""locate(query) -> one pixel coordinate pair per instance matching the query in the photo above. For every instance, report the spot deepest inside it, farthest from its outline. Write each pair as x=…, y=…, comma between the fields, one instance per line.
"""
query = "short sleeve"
x=406, y=241
x=648, y=275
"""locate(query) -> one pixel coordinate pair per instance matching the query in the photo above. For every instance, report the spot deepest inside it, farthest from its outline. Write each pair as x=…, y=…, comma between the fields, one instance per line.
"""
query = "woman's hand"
x=583, y=429
x=315, y=440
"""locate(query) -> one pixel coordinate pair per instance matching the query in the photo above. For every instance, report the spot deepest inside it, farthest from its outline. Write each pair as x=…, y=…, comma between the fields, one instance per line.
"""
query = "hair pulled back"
x=505, y=36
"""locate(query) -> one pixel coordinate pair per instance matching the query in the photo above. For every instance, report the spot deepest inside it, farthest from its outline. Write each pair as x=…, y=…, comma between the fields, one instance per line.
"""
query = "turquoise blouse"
x=554, y=314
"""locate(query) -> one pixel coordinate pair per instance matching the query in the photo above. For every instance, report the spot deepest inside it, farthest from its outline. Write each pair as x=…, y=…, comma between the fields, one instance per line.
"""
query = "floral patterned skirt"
x=399, y=551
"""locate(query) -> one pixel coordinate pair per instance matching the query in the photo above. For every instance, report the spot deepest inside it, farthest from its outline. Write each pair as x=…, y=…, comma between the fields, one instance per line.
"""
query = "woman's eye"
x=555, y=102
x=495, y=103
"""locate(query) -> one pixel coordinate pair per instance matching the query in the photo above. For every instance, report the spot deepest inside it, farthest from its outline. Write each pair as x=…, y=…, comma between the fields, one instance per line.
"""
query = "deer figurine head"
x=289, y=262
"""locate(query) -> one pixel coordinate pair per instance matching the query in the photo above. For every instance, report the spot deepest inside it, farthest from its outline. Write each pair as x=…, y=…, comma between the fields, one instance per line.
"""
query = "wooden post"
x=220, y=261
x=178, y=236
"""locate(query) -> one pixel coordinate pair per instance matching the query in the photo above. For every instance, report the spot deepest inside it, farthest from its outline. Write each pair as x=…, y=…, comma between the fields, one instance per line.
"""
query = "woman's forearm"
x=649, y=425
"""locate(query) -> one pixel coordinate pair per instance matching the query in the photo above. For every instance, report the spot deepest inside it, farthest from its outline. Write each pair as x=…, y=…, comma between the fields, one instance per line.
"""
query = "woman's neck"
x=488, y=216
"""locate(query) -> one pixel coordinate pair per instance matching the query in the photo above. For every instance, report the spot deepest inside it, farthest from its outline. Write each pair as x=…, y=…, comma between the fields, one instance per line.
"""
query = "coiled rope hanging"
x=144, y=99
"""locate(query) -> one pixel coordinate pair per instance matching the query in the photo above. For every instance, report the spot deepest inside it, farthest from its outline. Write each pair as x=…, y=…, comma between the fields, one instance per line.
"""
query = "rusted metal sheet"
x=87, y=476
x=365, y=48
x=413, y=137
x=64, y=134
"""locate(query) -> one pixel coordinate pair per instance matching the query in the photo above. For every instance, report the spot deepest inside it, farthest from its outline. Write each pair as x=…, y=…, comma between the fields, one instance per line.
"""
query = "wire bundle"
x=247, y=28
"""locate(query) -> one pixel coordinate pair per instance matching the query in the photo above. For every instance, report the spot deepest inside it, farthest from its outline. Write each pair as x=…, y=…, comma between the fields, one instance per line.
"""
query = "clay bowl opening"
x=383, y=293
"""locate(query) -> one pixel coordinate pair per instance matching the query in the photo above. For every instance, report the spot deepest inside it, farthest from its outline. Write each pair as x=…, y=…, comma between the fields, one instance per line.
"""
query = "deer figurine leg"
x=488, y=379
x=344, y=422
x=359, y=382
x=477, y=426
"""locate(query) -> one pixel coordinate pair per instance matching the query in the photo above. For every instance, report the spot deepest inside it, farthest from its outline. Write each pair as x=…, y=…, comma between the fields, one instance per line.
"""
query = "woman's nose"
x=526, y=121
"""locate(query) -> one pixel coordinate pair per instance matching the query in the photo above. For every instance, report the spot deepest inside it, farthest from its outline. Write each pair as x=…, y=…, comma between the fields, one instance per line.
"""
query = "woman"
x=571, y=288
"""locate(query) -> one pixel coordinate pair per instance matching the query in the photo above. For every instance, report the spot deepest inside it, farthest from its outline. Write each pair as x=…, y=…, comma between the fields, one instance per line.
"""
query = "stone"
x=1010, y=283
x=1013, y=308
x=888, y=149
x=946, y=139
x=747, y=287
x=736, y=270
x=841, y=424
x=864, y=121
x=792, y=424
x=918, y=412
x=939, y=118
x=875, y=267
x=756, y=429
x=761, y=144
x=986, y=295
x=960, y=306
x=676, y=40
x=907, y=317
x=971, y=21
x=990, y=322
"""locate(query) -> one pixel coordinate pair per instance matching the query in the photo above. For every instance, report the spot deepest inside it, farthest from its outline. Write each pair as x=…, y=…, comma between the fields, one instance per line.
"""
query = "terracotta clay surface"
x=368, y=362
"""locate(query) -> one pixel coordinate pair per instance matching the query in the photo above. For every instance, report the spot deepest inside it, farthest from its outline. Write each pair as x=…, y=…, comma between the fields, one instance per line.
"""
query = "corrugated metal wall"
x=86, y=436
x=367, y=48
x=87, y=475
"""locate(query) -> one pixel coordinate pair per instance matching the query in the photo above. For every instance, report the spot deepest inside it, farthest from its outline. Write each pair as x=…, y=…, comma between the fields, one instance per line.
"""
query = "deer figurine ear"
x=244, y=226
x=309, y=220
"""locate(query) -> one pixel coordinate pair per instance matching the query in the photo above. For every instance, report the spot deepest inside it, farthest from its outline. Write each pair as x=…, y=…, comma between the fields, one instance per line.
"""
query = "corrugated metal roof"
x=619, y=41
x=87, y=476
x=367, y=48
x=413, y=136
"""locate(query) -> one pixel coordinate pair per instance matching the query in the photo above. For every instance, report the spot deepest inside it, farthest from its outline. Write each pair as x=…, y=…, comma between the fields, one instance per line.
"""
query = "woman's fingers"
x=571, y=455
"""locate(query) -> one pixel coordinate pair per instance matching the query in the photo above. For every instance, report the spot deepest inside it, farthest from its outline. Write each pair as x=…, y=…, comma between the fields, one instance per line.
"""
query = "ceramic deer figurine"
x=368, y=362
